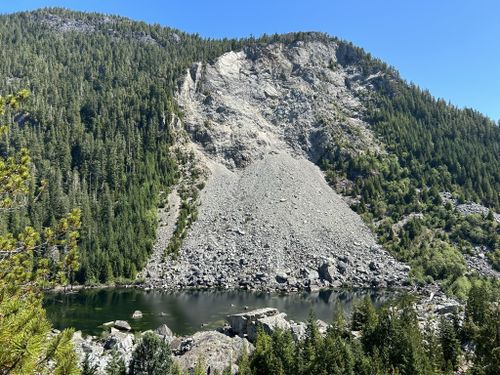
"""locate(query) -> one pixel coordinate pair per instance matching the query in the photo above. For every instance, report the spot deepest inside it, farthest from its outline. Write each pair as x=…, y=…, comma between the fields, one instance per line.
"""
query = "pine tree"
x=87, y=367
x=449, y=343
x=151, y=357
x=244, y=363
x=26, y=343
x=199, y=369
x=116, y=365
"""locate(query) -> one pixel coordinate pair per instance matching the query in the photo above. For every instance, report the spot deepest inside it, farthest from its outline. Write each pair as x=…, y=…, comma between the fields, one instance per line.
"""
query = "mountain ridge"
x=414, y=159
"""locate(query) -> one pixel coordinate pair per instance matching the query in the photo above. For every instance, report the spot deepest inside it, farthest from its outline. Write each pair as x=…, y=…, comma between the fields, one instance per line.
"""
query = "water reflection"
x=185, y=312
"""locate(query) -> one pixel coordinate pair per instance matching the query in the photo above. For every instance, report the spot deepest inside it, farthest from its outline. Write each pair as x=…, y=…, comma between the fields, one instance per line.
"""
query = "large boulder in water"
x=137, y=314
x=240, y=322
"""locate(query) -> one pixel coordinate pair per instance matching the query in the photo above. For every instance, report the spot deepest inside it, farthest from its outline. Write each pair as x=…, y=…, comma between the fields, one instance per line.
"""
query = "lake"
x=189, y=311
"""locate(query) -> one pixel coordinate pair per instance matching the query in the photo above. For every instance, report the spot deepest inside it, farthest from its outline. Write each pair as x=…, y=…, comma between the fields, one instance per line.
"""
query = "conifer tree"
x=26, y=343
x=151, y=357
x=116, y=365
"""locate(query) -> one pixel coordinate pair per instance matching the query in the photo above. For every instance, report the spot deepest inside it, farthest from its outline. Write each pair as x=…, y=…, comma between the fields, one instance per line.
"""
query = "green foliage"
x=431, y=147
x=26, y=343
x=151, y=357
x=449, y=343
x=99, y=130
x=199, y=369
x=187, y=215
x=482, y=326
x=87, y=367
x=391, y=342
x=405, y=210
x=116, y=365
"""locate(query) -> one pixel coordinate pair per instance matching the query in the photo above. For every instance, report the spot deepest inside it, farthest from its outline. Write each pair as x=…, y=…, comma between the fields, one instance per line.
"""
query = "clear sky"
x=451, y=47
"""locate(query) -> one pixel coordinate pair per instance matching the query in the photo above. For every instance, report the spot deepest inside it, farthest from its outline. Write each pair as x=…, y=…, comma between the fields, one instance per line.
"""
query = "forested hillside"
x=97, y=128
x=431, y=148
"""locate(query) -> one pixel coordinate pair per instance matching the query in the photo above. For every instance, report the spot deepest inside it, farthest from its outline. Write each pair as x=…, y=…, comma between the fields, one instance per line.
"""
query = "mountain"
x=223, y=140
x=258, y=120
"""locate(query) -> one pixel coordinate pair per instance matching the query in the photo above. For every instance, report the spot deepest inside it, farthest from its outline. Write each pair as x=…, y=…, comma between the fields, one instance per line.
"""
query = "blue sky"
x=451, y=47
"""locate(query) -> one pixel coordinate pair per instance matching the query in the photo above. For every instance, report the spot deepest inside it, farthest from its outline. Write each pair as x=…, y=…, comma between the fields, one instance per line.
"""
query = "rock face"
x=99, y=351
x=258, y=120
x=268, y=324
x=240, y=323
x=217, y=350
x=268, y=319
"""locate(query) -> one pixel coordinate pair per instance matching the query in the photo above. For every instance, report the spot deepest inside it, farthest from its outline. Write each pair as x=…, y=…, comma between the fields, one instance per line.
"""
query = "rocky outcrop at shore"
x=217, y=349
x=221, y=348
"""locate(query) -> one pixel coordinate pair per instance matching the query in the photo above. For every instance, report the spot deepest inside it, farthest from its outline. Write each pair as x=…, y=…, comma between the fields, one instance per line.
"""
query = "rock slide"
x=259, y=120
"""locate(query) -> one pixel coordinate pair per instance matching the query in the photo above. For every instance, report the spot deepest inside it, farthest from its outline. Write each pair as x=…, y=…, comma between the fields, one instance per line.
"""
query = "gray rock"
x=217, y=350
x=239, y=322
x=327, y=270
x=373, y=266
x=122, y=325
x=120, y=341
x=185, y=345
x=448, y=309
x=137, y=314
x=268, y=119
x=298, y=330
x=342, y=267
x=281, y=277
x=165, y=332
x=269, y=324
x=322, y=326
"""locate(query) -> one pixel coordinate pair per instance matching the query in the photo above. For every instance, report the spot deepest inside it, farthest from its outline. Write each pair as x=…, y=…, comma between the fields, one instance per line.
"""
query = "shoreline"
x=76, y=288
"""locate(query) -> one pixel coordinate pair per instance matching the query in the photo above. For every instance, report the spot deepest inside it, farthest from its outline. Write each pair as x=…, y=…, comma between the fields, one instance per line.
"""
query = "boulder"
x=298, y=330
x=165, y=332
x=373, y=266
x=181, y=345
x=122, y=342
x=281, y=277
x=217, y=350
x=239, y=322
x=322, y=326
x=268, y=324
x=310, y=275
x=342, y=267
x=87, y=347
x=122, y=325
x=137, y=314
x=448, y=309
x=327, y=270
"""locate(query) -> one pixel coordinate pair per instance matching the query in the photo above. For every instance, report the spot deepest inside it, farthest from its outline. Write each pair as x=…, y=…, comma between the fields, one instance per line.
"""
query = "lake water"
x=189, y=311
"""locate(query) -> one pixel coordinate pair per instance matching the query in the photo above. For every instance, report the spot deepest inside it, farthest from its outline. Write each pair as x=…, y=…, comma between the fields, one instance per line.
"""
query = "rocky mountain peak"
x=293, y=96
